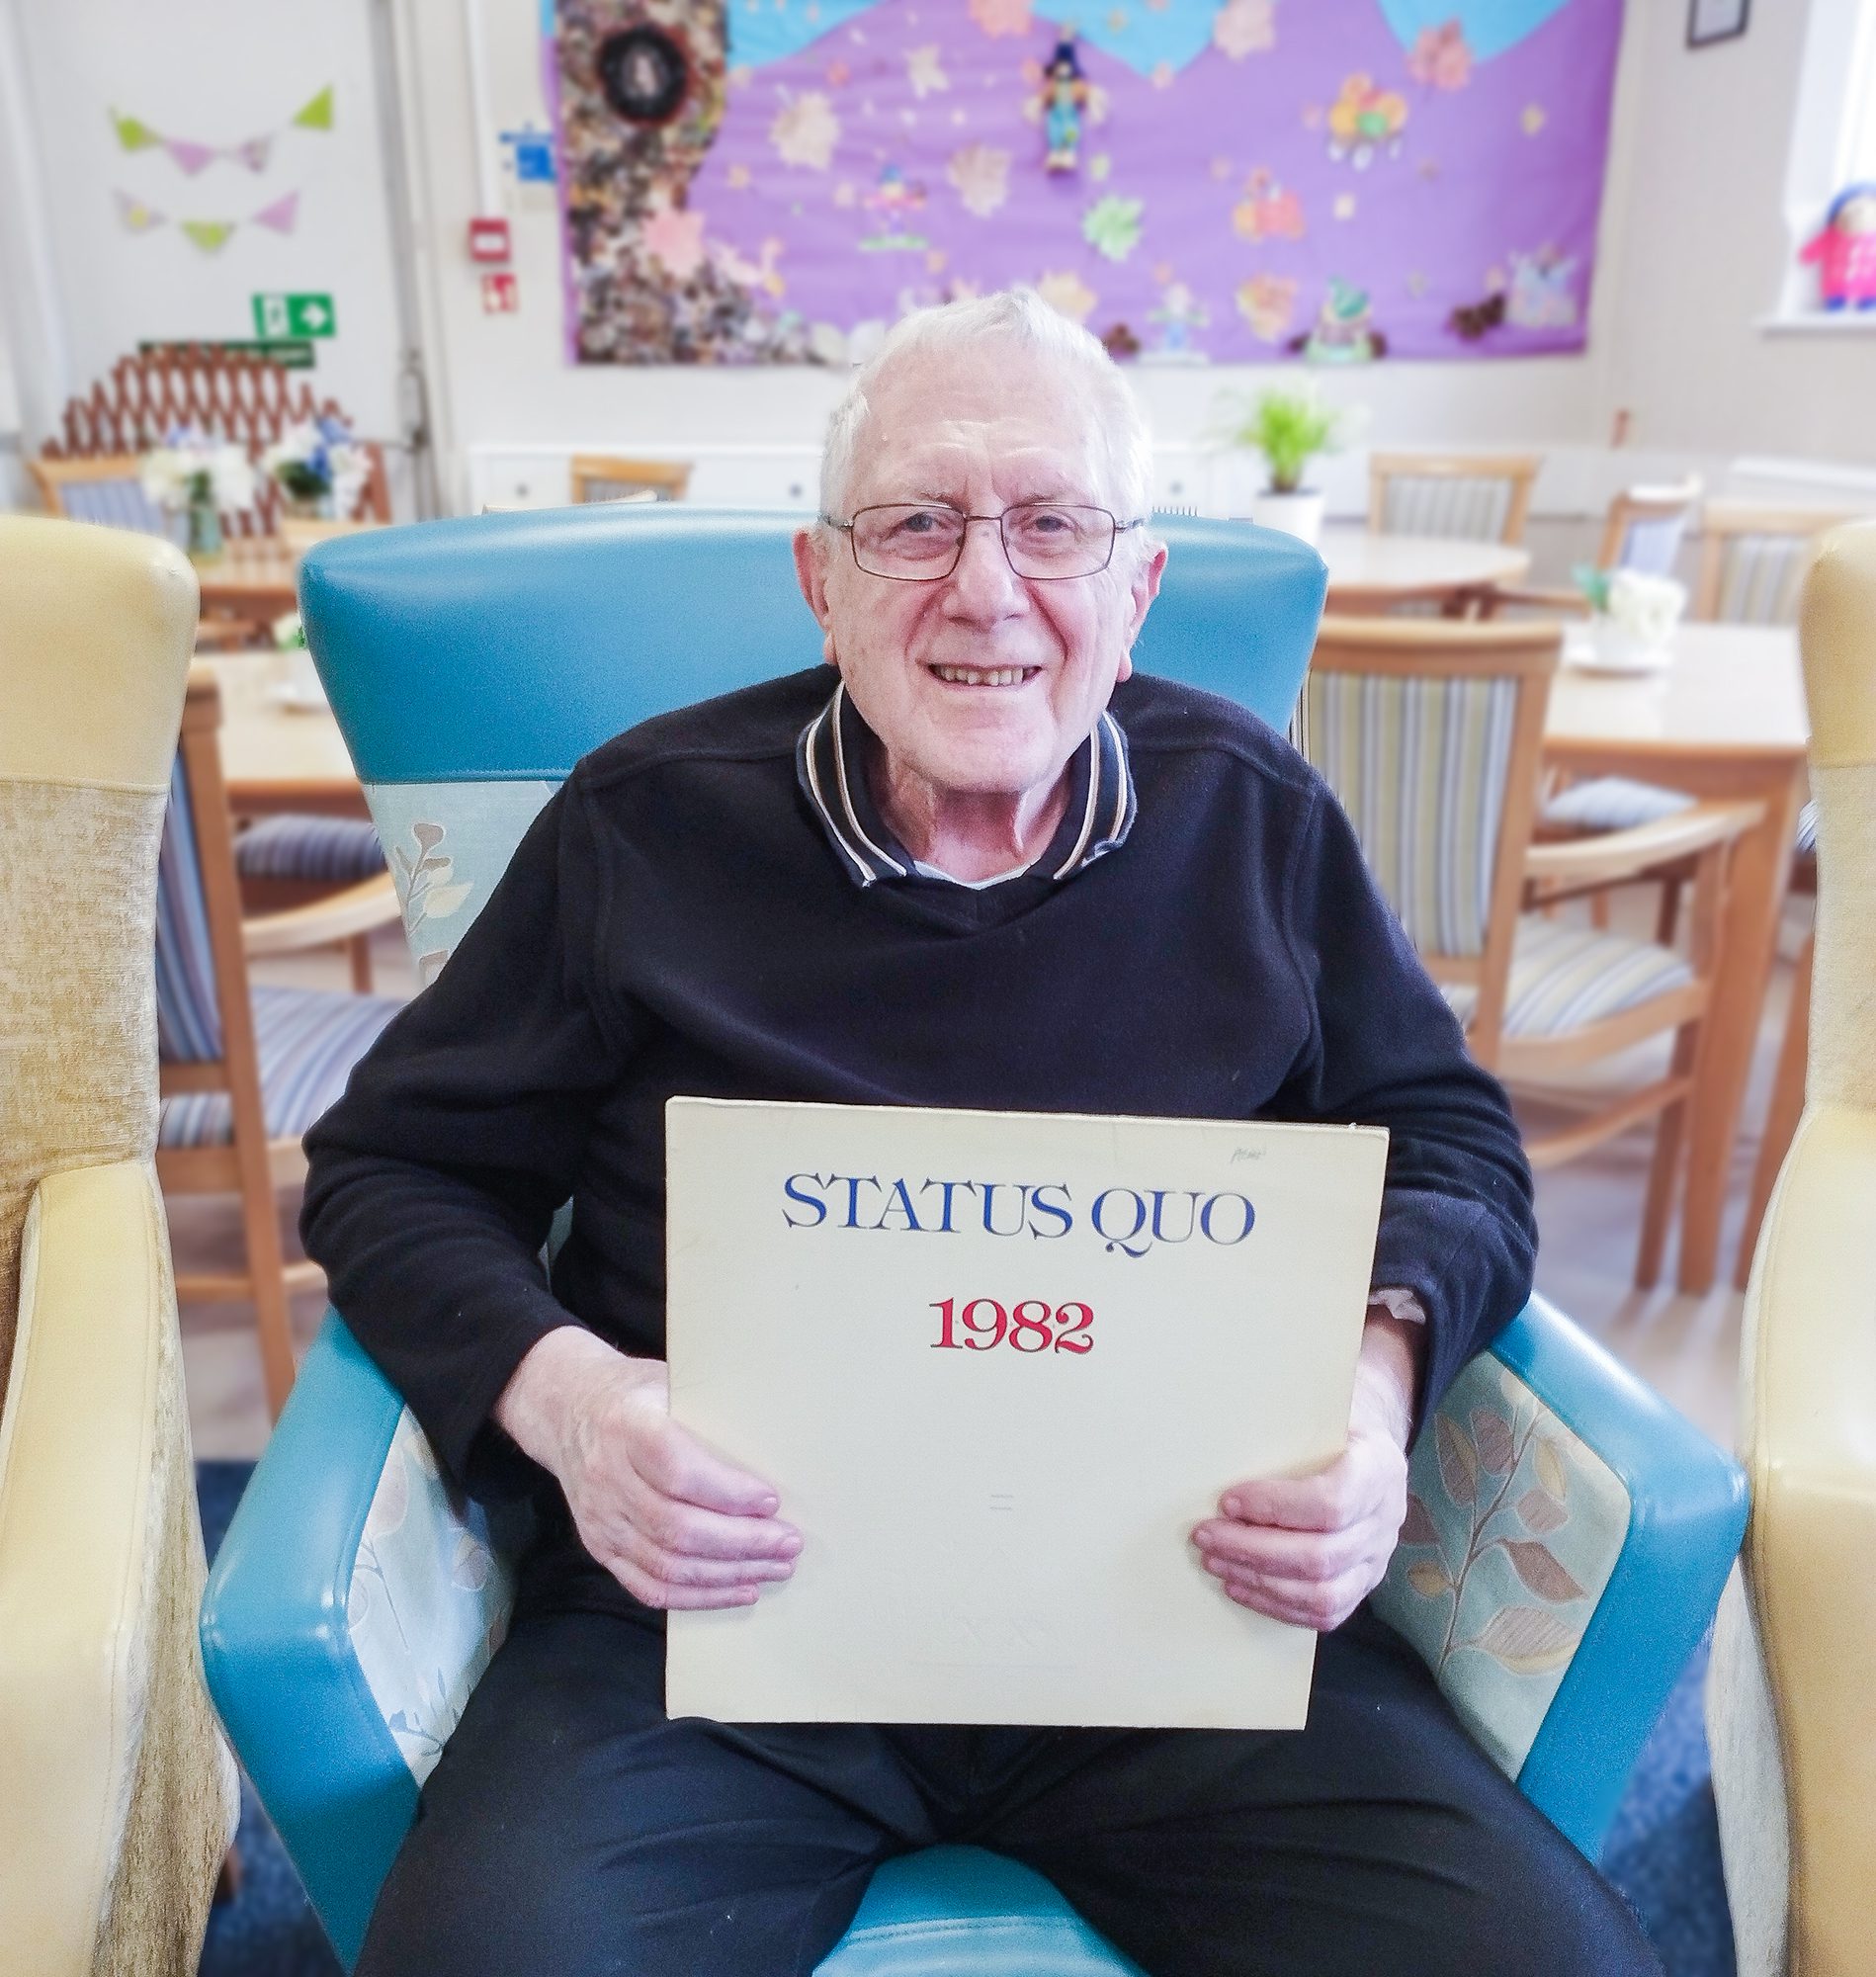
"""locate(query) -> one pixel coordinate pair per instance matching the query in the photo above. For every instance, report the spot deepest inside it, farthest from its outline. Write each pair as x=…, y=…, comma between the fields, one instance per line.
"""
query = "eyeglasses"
x=923, y=541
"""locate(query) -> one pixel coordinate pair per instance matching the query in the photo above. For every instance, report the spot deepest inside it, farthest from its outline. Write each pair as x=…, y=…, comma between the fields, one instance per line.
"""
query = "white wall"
x=1704, y=253
x=217, y=71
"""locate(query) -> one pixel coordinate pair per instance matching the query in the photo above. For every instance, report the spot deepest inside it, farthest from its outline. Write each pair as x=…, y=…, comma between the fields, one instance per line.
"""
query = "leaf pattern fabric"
x=1513, y=1526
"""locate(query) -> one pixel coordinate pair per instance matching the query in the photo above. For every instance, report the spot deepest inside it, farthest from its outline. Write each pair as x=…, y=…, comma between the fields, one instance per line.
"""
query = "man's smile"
x=984, y=676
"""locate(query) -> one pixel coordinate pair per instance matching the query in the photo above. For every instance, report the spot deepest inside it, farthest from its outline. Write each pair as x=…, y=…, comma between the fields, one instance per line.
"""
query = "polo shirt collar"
x=831, y=755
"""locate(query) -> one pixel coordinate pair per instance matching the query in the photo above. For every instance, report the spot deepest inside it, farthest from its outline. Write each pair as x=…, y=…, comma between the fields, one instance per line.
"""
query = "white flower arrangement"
x=1643, y=608
x=189, y=469
x=318, y=462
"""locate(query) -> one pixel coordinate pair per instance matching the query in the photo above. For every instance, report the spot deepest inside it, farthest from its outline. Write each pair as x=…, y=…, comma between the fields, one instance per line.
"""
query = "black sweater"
x=677, y=920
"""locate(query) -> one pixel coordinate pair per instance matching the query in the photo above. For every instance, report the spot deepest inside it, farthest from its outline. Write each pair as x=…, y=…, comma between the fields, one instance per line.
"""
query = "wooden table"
x=1727, y=720
x=1370, y=573
x=250, y=584
x=276, y=757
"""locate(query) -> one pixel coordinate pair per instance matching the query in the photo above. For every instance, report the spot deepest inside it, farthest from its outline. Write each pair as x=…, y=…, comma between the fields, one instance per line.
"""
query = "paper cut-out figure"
x=1063, y=97
x=1364, y=119
x=894, y=199
x=1344, y=331
x=1179, y=313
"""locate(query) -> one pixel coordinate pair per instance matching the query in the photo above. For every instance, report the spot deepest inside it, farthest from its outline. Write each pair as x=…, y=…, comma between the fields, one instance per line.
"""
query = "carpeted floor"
x=1662, y=1850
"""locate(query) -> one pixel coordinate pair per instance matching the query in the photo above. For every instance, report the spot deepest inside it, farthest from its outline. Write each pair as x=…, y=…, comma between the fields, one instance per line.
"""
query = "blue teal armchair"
x=1568, y=1535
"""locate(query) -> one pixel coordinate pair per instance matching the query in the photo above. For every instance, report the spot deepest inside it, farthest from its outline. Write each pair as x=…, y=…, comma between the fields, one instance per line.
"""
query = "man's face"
x=984, y=683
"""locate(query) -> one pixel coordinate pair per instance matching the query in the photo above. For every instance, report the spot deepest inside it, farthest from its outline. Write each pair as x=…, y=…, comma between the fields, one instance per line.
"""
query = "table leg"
x=1749, y=931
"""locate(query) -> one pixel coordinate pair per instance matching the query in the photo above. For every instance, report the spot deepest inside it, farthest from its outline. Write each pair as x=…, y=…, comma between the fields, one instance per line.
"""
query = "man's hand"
x=1310, y=1549
x=676, y=1525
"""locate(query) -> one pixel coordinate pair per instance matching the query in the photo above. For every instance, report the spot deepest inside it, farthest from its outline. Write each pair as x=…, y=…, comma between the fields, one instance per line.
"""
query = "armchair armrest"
x=1567, y=1540
x=1609, y=856
x=96, y=1527
x=352, y=1607
x=321, y=923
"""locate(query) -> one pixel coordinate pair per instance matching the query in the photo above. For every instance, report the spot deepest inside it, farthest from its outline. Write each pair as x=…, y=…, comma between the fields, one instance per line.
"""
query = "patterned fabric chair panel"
x=1651, y=544
x=1513, y=1526
x=1420, y=766
x=306, y=1040
x=1760, y=578
x=117, y=504
x=1566, y=976
x=318, y=850
x=1475, y=508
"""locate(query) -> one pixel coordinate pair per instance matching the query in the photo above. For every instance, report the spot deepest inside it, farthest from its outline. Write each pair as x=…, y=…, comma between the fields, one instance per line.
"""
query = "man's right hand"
x=676, y=1525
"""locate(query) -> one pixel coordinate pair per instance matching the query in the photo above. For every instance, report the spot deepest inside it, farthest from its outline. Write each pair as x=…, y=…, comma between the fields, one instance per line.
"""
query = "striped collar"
x=830, y=764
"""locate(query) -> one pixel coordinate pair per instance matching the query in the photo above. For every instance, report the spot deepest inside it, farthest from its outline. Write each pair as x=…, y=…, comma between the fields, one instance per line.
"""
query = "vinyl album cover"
x=998, y=1365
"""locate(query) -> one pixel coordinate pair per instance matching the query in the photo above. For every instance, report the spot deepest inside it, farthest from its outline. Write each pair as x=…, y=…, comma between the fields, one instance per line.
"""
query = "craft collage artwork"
x=1226, y=181
x=191, y=155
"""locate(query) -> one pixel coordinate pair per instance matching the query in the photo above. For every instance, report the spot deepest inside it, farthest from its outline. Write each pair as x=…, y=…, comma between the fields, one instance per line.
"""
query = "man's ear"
x=811, y=572
x=1141, y=591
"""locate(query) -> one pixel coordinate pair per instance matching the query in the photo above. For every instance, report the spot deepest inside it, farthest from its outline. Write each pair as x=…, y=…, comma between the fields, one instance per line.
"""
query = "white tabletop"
x=1368, y=570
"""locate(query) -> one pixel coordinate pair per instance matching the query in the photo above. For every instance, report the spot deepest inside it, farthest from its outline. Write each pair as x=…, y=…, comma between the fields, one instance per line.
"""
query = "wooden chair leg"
x=228, y=1880
x=359, y=948
x=1667, y=914
x=1782, y=1116
x=1664, y=1170
x=1600, y=912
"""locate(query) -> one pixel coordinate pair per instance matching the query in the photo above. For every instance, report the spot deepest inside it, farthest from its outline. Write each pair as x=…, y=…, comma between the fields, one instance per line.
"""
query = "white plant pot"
x=1298, y=514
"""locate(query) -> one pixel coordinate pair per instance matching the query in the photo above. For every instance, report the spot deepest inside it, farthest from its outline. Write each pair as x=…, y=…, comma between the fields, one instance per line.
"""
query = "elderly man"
x=988, y=868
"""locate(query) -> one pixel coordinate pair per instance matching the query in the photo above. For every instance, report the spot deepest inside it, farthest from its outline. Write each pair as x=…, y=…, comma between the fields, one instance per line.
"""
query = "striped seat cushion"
x=324, y=850
x=1611, y=802
x=1808, y=830
x=308, y=1042
x=1564, y=978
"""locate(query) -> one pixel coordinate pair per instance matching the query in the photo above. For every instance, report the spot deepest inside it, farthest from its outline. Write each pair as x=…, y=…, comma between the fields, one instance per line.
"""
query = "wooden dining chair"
x=243, y=1070
x=1480, y=497
x=1430, y=732
x=598, y=477
x=1753, y=560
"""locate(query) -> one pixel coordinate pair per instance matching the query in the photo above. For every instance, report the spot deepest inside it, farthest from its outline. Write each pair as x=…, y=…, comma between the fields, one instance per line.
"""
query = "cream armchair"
x=1791, y=1708
x=118, y=1797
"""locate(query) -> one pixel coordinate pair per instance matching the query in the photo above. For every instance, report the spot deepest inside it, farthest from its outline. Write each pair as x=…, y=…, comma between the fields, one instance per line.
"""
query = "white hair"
x=1014, y=315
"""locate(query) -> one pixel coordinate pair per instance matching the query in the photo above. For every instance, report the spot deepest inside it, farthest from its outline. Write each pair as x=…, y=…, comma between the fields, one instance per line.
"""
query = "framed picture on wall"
x=1710, y=21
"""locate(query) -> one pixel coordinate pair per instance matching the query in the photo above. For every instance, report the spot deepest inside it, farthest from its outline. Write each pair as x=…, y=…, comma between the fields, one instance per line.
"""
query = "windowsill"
x=1819, y=322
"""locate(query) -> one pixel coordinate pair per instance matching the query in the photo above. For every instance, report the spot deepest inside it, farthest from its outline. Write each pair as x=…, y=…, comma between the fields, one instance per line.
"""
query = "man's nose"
x=983, y=584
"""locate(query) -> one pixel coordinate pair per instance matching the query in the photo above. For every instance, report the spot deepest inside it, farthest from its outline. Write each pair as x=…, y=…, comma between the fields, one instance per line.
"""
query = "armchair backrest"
x=1753, y=560
x=1794, y=1765
x=95, y=631
x=108, y=489
x=470, y=664
x=1646, y=526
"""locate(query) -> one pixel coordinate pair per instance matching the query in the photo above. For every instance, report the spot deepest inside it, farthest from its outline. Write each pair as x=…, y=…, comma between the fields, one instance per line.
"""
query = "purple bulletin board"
x=775, y=181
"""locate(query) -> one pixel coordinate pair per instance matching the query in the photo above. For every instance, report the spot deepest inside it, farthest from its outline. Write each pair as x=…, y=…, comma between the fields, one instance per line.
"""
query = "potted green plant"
x=1289, y=425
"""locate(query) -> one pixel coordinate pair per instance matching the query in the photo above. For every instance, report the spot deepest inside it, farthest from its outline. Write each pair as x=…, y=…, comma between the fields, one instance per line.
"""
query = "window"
x=1833, y=145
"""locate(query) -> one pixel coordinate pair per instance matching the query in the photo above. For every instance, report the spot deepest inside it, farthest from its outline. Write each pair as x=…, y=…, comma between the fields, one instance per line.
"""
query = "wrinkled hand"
x=1309, y=1550
x=675, y=1524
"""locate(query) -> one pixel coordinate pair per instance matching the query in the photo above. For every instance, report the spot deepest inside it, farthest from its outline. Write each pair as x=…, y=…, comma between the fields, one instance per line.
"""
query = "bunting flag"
x=136, y=218
x=192, y=154
x=137, y=215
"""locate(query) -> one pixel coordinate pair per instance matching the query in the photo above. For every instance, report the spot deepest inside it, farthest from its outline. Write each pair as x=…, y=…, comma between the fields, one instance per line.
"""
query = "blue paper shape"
x=1489, y=25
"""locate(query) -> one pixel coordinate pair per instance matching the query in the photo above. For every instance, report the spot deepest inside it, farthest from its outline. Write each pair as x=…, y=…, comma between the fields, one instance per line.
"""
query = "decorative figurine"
x=1063, y=97
x=1844, y=249
x=1344, y=331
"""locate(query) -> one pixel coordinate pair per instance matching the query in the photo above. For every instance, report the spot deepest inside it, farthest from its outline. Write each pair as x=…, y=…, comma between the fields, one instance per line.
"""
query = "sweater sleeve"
x=433, y=1181
x=1457, y=1227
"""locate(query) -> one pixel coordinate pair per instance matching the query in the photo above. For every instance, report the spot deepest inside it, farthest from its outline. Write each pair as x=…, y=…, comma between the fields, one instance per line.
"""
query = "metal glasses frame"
x=1117, y=529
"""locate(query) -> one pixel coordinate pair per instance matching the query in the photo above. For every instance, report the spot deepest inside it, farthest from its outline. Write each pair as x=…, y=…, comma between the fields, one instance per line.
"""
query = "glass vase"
x=204, y=542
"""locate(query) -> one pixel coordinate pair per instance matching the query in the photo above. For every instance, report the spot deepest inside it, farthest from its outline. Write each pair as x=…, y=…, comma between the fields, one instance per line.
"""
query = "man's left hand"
x=1309, y=1550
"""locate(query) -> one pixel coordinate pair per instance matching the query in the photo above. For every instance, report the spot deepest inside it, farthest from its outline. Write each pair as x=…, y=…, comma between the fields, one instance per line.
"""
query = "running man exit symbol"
x=293, y=316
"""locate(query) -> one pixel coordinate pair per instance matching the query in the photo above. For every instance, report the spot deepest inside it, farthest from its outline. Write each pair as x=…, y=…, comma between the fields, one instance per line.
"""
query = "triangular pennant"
x=318, y=114
x=209, y=234
x=136, y=216
x=254, y=153
x=281, y=214
x=192, y=157
x=134, y=134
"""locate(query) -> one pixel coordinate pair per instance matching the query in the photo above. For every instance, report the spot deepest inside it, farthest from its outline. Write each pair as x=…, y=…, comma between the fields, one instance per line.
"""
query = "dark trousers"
x=572, y=1828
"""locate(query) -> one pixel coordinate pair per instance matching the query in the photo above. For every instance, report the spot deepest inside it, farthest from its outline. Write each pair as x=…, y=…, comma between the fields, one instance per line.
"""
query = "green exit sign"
x=293, y=316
